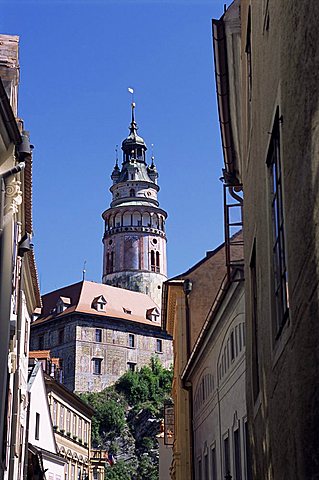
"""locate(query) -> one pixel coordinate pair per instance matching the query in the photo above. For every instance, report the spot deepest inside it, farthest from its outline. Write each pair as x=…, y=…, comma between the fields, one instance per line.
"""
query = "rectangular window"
x=80, y=429
x=206, y=466
x=280, y=274
x=86, y=432
x=55, y=413
x=213, y=464
x=199, y=476
x=232, y=346
x=97, y=366
x=226, y=456
x=61, y=424
x=131, y=340
x=98, y=335
x=159, y=345
x=61, y=335
x=74, y=425
x=237, y=454
x=254, y=318
x=37, y=426
x=68, y=421
x=249, y=474
x=248, y=57
x=131, y=366
x=72, y=472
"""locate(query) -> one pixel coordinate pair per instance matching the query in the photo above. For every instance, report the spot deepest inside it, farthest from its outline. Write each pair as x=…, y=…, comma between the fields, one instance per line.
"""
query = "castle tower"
x=134, y=239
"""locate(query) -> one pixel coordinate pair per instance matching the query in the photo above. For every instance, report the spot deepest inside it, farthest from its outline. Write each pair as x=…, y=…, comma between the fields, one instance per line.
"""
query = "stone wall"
x=80, y=348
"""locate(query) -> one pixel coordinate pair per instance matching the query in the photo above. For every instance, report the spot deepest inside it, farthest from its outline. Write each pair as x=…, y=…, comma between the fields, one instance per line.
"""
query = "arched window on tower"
x=109, y=262
x=132, y=192
x=157, y=262
x=153, y=265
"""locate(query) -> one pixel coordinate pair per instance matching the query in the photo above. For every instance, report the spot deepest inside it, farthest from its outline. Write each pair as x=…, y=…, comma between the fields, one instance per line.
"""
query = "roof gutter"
x=166, y=285
x=222, y=92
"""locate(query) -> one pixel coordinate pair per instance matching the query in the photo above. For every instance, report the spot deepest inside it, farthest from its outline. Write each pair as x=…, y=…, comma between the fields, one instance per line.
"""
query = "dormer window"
x=153, y=314
x=126, y=310
x=99, y=304
x=62, y=304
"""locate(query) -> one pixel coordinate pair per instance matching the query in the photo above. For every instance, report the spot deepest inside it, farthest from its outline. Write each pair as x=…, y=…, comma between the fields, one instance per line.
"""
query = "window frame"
x=159, y=341
x=37, y=426
x=237, y=454
x=131, y=366
x=131, y=340
x=97, y=362
x=98, y=335
x=279, y=270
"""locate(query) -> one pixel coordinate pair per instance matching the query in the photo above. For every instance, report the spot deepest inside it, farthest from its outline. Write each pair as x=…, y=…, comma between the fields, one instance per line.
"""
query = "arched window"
x=109, y=262
x=127, y=219
x=132, y=192
x=157, y=262
x=153, y=266
x=118, y=220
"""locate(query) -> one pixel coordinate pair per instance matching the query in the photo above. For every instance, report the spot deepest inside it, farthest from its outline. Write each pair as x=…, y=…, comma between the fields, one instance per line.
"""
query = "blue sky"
x=77, y=59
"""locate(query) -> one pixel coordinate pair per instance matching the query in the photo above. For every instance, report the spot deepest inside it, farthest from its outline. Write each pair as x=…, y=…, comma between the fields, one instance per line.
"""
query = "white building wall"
x=219, y=400
x=44, y=438
x=39, y=404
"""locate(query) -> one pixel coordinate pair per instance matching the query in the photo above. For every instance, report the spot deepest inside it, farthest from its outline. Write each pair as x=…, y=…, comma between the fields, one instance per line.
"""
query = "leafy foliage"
x=127, y=420
x=147, y=469
x=151, y=384
x=120, y=471
x=110, y=413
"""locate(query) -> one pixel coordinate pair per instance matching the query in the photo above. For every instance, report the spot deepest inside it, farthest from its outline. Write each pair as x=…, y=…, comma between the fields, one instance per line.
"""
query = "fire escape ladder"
x=233, y=221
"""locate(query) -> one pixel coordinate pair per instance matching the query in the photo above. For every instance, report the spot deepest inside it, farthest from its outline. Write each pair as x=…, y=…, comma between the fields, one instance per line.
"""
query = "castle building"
x=101, y=330
x=134, y=238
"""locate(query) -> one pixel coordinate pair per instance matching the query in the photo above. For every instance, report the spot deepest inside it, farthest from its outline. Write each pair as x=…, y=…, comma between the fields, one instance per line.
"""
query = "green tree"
x=147, y=469
x=120, y=471
x=110, y=413
x=149, y=384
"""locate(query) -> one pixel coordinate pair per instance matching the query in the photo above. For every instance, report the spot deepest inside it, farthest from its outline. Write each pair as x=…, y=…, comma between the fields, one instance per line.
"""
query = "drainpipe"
x=25, y=466
x=187, y=288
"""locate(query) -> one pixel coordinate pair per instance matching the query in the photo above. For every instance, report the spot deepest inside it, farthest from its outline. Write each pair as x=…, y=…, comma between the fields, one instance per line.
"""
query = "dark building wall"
x=285, y=64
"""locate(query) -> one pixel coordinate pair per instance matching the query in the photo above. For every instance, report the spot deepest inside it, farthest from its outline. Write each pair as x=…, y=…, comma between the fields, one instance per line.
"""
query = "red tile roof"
x=82, y=294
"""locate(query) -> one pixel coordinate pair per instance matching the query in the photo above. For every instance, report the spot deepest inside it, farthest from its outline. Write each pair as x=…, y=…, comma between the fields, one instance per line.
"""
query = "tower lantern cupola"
x=133, y=146
x=134, y=239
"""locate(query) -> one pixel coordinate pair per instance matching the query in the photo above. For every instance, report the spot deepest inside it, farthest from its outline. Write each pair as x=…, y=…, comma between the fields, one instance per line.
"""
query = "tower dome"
x=134, y=237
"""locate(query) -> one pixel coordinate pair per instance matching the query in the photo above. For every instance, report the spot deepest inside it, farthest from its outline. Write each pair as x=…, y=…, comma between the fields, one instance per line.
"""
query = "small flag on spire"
x=130, y=90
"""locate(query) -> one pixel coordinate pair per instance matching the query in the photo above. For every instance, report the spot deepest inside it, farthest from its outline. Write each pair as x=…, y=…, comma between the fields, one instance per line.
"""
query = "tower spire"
x=134, y=237
x=133, y=125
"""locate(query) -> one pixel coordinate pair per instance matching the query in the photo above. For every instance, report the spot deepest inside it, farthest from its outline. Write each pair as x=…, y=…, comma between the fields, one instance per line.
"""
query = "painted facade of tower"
x=134, y=238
